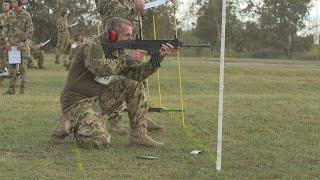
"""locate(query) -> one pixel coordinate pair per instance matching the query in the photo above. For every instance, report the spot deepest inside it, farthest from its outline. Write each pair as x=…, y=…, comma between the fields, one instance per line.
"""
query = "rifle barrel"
x=201, y=45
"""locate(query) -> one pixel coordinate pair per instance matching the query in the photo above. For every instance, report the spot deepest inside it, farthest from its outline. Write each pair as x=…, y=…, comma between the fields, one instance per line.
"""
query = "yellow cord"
x=180, y=78
x=147, y=82
x=158, y=72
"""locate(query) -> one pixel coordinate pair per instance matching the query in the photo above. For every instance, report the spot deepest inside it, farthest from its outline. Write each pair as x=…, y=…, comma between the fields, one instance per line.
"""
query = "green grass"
x=271, y=126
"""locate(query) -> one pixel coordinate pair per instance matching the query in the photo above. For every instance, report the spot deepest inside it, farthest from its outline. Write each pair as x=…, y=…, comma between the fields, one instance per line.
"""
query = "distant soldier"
x=63, y=36
x=129, y=9
x=37, y=53
x=78, y=40
x=19, y=31
x=6, y=5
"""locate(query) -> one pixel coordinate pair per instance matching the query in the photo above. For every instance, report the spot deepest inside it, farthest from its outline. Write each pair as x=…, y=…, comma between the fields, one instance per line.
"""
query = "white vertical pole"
x=221, y=87
x=318, y=20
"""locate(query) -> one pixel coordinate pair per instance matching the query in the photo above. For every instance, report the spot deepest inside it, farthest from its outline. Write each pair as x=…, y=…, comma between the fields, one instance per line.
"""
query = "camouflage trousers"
x=22, y=68
x=3, y=64
x=115, y=116
x=87, y=124
x=31, y=63
x=129, y=91
x=3, y=60
x=39, y=56
x=63, y=42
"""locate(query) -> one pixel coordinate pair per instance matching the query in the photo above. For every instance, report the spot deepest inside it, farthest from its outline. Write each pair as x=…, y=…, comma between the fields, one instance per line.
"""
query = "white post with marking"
x=221, y=87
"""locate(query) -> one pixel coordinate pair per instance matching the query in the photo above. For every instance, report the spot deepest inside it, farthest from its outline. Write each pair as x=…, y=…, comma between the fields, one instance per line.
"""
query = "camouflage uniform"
x=37, y=54
x=87, y=125
x=3, y=54
x=81, y=91
x=119, y=8
x=19, y=31
x=63, y=39
x=32, y=64
x=124, y=9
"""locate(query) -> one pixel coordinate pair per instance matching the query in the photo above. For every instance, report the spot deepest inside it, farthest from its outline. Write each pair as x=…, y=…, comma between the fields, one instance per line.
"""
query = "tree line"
x=270, y=27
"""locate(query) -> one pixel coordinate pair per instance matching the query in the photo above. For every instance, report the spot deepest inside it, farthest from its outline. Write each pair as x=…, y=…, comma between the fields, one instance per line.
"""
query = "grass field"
x=271, y=126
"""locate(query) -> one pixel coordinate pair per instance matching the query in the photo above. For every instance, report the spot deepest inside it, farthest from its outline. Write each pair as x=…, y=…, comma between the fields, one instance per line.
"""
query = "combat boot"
x=139, y=137
x=152, y=126
x=22, y=90
x=61, y=131
x=11, y=91
x=117, y=129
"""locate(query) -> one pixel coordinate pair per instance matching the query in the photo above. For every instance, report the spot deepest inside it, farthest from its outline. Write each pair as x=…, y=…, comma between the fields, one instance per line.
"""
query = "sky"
x=184, y=5
x=314, y=17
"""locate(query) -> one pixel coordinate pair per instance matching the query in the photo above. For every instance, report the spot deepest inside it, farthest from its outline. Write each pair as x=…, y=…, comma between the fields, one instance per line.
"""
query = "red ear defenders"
x=111, y=29
x=112, y=35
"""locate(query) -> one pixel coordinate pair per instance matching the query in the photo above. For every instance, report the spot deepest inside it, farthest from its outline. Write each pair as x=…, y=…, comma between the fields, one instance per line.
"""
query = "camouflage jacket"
x=32, y=45
x=3, y=25
x=62, y=26
x=89, y=63
x=20, y=27
x=118, y=8
x=100, y=66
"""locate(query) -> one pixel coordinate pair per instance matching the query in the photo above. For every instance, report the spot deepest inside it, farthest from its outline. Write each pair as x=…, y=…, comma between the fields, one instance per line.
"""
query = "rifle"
x=151, y=46
x=159, y=110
